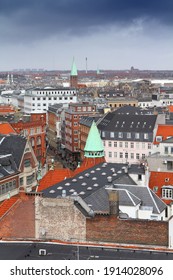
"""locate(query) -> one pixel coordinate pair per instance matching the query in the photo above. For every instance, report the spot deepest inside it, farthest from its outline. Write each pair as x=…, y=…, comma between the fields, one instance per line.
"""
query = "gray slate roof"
x=92, y=184
x=7, y=166
x=13, y=144
x=128, y=123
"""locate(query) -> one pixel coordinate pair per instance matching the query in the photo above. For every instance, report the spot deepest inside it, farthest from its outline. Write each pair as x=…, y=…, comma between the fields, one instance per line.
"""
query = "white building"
x=128, y=138
x=39, y=99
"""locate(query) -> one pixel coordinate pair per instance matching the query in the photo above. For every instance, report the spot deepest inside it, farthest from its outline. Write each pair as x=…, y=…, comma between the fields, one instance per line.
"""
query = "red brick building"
x=72, y=128
x=35, y=130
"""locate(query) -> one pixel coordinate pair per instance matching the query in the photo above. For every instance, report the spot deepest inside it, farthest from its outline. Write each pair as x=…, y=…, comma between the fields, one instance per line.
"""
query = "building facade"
x=128, y=138
x=39, y=99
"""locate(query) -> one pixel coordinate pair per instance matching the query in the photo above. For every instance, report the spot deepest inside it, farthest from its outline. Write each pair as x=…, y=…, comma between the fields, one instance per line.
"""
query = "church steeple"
x=94, y=146
x=73, y=75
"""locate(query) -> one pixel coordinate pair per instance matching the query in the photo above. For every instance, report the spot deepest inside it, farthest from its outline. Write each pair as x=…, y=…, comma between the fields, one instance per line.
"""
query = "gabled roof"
x=165, y=131
x=13, y=144
x=6, y=128
x=146, y=196
x=160, y=179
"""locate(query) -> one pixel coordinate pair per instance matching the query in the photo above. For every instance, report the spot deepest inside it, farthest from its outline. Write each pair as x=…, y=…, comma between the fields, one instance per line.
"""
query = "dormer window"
x=120, y=135
x=137, y=135
x=158, y=138
x=167, y=192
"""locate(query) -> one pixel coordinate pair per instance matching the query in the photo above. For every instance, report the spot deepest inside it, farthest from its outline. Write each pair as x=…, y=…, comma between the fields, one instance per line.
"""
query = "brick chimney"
x=113, y=202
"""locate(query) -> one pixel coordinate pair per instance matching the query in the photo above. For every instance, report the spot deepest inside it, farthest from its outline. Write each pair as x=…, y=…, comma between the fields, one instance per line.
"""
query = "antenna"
x=86, y=65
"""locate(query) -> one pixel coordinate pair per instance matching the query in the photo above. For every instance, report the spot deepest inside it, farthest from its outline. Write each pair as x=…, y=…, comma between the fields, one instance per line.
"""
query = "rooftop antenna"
x=86, y=65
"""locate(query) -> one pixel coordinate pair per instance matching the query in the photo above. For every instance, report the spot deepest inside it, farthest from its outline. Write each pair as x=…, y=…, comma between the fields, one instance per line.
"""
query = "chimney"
x=113, y=202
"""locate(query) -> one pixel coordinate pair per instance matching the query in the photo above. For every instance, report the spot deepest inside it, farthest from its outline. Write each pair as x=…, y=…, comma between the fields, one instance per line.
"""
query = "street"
x=45, y=251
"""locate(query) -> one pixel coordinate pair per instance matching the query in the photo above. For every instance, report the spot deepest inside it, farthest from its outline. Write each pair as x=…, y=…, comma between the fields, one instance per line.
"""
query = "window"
x=145, y=135
x=120, y=144
x=121, y=155
x=38, y=129
x=126, y=144
x=109, y=144
x=171, y=150
x=21, y=181
x=131, y=145
x=139, y=177
x=111, y=134
x=167, y=193
x=120, y=135
x=137, y=156
x=126, y=155
x=143, y=145
x=32, y=130
x=128, y=135
x=143, y=156
x=110, y=154
x=75, y=132
x=27, y=163
x=38, y=140
x=132, y=155
x=137, y=135
x=149, y=146
x=137, y=145
x=29, y=179
x=166, y=150
x=103, y=133
x=115, y=144
x=115, y=154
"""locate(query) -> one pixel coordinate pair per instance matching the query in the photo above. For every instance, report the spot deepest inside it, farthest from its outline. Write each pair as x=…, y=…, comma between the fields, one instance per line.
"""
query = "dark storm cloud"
x=39, y=18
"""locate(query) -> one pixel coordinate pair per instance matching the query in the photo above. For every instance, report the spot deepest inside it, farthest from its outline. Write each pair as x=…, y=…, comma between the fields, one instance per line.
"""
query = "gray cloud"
x=40, y=18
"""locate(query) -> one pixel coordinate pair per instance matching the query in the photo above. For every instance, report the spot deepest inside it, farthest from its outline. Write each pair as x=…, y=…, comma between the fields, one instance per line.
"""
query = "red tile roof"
x=160, y=179
x=6, y=128
x=52, y=177
x=170, y=108
x=88, y=163
x=7, y=204
x=164, y=131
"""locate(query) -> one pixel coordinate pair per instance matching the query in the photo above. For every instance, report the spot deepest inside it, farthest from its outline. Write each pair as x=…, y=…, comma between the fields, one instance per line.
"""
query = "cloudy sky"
x=112, y=34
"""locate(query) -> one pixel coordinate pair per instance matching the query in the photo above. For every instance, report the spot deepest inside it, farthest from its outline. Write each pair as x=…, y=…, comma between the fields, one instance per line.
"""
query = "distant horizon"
x=82, y=70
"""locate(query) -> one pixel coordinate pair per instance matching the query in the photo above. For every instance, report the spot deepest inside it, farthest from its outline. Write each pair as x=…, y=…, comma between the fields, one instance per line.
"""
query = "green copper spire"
x=73, y=69
x=98, y=71
x=94, y=147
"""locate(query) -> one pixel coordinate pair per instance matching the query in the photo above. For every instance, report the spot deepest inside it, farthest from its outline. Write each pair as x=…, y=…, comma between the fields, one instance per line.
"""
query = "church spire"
x=73, y=69
x=94, y=146
x=74, y=75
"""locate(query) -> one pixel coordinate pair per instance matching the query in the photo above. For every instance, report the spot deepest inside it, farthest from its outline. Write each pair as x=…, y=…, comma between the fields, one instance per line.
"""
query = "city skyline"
x=112, y=34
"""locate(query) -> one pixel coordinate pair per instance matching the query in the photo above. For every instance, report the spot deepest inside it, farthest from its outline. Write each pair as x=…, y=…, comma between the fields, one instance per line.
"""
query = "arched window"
x=39, y=140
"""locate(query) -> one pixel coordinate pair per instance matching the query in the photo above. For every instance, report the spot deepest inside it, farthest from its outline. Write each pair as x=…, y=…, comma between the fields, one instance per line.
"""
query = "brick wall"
x=112, y=229
x=58, y=218
x=19, y=222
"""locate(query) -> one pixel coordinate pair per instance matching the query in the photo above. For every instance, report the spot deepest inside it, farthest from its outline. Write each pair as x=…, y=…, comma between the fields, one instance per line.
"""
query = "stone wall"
x=58, y=218
x=112, y=229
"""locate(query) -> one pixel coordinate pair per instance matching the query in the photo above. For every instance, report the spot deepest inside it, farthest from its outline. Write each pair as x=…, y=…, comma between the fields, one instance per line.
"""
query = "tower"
x=73, y=75
x=94, y=149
